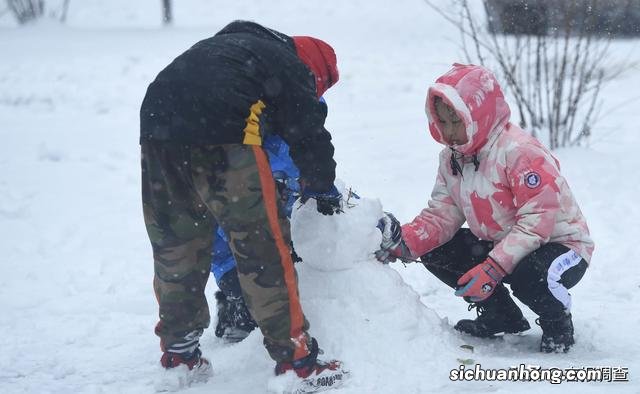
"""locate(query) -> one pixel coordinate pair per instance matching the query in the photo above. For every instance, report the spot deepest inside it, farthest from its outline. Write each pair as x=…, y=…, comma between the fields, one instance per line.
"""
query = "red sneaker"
x=193, y=360
x=181, y=371
x=313, y=375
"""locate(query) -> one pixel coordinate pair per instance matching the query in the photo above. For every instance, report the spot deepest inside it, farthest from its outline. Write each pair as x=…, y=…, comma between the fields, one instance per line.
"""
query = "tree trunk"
x=167, y=15
x=63, y=13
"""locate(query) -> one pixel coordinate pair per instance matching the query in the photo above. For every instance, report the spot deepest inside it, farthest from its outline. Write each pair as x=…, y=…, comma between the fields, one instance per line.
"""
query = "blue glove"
x=328, y=202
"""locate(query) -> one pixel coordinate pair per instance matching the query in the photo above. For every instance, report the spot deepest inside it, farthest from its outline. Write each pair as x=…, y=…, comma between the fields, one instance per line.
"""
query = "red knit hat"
x=320, y=58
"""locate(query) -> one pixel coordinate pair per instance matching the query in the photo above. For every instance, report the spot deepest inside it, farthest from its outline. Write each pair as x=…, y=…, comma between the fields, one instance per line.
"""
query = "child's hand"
x=391, y=231
x=480, y=281
x=391, y=246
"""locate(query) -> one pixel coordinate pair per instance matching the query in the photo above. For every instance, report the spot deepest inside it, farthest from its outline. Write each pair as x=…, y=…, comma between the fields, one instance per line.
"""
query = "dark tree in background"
x=26, y=11
x=63, y=13
x=167, y=15
x=538, y=17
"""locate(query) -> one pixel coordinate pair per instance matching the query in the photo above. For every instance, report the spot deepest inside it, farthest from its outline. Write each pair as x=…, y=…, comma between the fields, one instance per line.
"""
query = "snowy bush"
x=554, y=72
x=26, y=11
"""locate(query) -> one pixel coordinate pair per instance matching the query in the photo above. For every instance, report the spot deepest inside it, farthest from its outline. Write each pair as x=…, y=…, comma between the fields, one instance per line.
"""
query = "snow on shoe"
x=178, y=372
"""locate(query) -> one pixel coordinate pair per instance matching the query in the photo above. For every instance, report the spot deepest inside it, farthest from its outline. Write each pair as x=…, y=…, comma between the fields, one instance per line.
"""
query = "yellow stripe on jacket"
x=252, y=129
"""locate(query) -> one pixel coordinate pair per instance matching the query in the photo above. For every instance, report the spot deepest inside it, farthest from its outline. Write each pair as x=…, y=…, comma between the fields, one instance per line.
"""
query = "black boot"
x=497, y=314
x=234, y=320
x=557, y=334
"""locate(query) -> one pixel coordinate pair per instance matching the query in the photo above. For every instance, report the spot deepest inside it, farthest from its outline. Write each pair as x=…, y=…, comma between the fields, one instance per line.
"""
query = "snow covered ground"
x=76, y=304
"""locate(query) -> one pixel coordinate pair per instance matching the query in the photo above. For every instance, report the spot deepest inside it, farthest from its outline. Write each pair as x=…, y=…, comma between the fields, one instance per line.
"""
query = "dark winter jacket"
x=236, y=87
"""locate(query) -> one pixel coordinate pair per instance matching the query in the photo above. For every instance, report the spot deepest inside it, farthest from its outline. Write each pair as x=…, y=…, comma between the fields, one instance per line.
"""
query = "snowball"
x=336, y=242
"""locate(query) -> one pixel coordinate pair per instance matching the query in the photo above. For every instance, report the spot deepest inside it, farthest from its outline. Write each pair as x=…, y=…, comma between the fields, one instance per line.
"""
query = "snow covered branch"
x=554, y=68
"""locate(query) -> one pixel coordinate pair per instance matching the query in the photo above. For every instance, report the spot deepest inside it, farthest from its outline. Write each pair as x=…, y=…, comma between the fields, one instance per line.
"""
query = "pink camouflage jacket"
x=510, y=189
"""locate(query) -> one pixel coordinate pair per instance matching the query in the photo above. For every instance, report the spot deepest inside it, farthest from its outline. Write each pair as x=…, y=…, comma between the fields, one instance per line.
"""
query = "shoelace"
x=550, y=324
x=480, y=309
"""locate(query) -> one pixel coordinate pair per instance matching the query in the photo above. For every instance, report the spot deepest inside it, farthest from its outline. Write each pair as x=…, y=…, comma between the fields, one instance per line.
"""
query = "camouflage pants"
x=186, y=191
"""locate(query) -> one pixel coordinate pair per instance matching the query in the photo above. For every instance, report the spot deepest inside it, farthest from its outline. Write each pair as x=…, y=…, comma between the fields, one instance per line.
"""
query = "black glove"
x=328, y=202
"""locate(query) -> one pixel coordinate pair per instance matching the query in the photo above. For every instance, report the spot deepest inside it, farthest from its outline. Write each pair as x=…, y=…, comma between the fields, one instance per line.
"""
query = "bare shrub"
x=554, y=74
x=27, y=11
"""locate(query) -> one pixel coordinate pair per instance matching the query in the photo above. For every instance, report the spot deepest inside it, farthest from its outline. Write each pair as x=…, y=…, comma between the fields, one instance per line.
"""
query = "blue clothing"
x=222, y=260
x=286, y=175
x=284, y=171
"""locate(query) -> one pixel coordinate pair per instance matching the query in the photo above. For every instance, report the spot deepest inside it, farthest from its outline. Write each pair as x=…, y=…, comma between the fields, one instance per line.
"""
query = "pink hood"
x=475, y=94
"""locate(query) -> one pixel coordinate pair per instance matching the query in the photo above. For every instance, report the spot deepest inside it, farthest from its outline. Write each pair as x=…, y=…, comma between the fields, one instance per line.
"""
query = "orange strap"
x=295, y=309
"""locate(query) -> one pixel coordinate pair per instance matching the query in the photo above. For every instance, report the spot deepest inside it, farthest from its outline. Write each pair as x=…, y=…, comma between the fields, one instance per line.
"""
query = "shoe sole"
x=289, y=383
x=180, y=378
x=234, y=335
x=320, y=383
x=518, y=330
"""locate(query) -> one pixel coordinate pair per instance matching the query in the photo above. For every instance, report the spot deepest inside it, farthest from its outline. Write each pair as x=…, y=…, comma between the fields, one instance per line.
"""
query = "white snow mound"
x=336, y=242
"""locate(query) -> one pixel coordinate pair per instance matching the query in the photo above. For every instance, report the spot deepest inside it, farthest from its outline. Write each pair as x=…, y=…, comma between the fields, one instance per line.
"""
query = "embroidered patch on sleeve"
x=532, y=180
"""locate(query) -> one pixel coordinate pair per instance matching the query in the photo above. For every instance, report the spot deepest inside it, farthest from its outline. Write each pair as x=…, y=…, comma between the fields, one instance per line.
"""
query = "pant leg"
x=542, y=279
x=244, y=203
x=451, y=260
x=180, y=232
